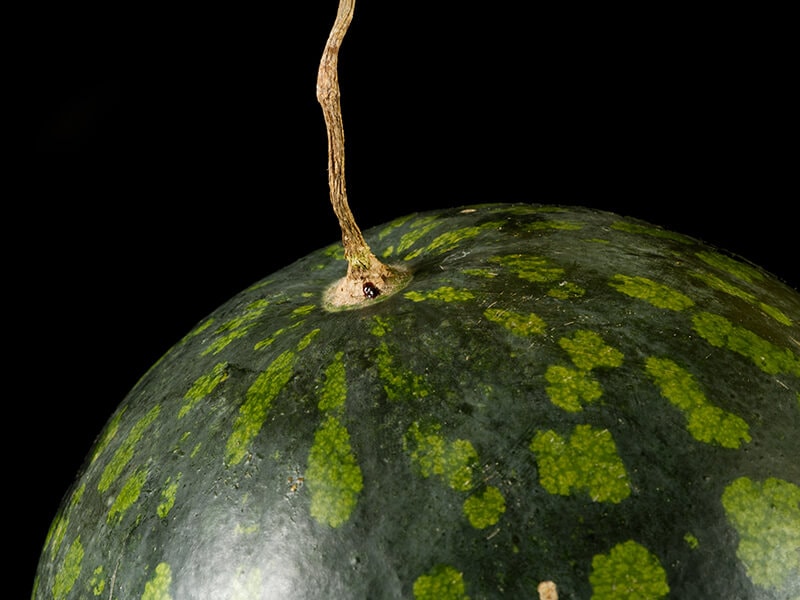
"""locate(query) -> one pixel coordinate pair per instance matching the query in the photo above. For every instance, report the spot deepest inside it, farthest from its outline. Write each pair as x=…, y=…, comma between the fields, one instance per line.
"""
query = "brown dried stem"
x=363, y=267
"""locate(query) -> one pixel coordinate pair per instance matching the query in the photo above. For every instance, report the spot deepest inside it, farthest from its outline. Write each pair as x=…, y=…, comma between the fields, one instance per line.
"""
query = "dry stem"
x=363, y=267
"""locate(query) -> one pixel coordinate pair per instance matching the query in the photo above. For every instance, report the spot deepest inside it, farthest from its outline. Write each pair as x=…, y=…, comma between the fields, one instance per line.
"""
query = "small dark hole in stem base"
x=370, y=291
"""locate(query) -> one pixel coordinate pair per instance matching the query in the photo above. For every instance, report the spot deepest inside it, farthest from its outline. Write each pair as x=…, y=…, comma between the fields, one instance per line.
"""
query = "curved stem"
x=328, y=96
x=363, y=267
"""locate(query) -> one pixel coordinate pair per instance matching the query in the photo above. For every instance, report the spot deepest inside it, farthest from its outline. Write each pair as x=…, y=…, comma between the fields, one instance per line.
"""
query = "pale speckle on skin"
x=547, y=591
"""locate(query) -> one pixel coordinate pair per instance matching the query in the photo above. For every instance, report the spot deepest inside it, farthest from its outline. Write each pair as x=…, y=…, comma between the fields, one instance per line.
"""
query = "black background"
x=165, y=162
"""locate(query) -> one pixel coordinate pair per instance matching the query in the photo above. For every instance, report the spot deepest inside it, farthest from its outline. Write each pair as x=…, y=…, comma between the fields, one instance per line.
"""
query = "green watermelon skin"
x=558, y=394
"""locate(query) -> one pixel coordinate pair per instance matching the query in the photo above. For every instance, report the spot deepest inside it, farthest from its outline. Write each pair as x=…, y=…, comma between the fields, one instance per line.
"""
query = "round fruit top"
x=556, y=398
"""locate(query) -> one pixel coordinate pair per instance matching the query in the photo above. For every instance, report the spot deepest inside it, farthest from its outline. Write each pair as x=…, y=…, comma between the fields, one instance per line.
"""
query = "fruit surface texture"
x=557, y=395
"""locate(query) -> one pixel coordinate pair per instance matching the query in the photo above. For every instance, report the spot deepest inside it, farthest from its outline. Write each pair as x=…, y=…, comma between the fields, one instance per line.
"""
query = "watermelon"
x=559, y=402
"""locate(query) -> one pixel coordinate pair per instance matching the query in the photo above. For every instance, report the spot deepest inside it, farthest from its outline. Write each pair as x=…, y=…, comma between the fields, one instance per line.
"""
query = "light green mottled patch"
x=588, y=350
x=442, y=582
x=488, y=273
x=334, y=389
x=236, y=327
x=67, y=574
x=399, y=222
x=77, y=495
x=127, y=496
x=248, y=584
x=399, y=384
x=723, y=286
x=196, y=449
x=712, y=424
x=380, y=326
x=691, y=540
x=334, y=251
x=168, y=493
x=222, y=342
x=247, y=529
x=637, y=228
x=125, y=452
x=97, y=582
x=158, y=586
x=776, y=314
x=258, y=400
x=333, y=475
x=418, y=229
x=588, y=462
x=251, y=312
x=307, y=339
x=720, y=332
x=444, y=294
x=766, y=515
x=628, y=572
x=728, y=288
x=516, y=323
x=485, y=509
x=530, y=268
x=108, y=434
x=452, y=239
x=657, y=294
x=58, y=528
x=203, y=326
x=706, y=423
x=302, y=311
x=432, y=454
x=269, y=341
x=554, y=225
x=569, y=386
x=203, y=386
x=566, y=290
x=524, y=209
x=731, y=266
x=260, y=284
